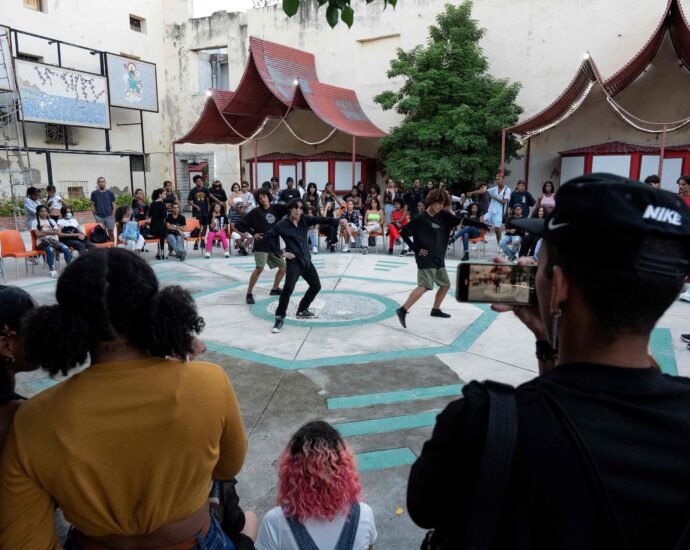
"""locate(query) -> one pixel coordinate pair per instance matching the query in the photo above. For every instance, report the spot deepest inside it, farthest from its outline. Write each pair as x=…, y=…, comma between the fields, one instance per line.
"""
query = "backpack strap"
x=301, y=535
x=346, y=540
x=496, y=466
x=578, y=441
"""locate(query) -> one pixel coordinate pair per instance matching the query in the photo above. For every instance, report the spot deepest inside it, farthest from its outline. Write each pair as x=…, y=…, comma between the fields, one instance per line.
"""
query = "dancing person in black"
x=293, y=229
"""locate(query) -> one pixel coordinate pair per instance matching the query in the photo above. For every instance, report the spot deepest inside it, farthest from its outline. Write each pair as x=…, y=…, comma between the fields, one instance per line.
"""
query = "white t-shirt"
x=496, y=207
x=44, y=225
x=275, y=532
x=55, y=202
x=64, y=222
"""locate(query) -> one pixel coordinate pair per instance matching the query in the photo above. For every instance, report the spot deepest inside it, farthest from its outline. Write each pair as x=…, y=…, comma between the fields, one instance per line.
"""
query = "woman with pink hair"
x=319, y=504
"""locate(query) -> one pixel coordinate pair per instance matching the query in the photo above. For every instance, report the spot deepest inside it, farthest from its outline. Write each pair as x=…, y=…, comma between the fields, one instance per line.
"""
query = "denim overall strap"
x=346, y=541
x=302, y=537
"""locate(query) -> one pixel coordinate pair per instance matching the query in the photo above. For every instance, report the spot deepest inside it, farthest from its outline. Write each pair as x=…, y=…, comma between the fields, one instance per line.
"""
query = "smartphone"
x=485, y=282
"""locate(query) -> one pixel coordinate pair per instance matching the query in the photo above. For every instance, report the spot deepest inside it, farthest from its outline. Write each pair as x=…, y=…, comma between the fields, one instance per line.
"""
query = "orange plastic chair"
x=88, y=228
x=191, y=225
x=157, y=241
x=12, y=246
x=481, y=242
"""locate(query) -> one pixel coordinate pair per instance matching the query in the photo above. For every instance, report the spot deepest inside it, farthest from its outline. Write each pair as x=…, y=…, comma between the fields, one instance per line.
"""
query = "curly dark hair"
x=109, y=293
x=14, y=304
x=263, y=191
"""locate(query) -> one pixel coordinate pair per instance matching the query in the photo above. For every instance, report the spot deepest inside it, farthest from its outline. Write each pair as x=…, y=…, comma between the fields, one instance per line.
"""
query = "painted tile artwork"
x=62, y=96
x=132, y=83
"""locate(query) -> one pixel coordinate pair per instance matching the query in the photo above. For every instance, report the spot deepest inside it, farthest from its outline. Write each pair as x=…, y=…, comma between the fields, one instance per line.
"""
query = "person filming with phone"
x=593, y=452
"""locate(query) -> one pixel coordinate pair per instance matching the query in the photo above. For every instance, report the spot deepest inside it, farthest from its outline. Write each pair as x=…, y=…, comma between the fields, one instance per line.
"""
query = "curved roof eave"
x=673, y=20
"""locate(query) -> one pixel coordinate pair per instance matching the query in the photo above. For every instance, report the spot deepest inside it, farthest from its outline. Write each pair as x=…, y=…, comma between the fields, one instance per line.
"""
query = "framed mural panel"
x=133, y=84
x=56, y=95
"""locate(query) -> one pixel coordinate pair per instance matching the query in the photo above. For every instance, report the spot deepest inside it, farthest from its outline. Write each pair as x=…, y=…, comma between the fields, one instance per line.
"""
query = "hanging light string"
x=324, y=140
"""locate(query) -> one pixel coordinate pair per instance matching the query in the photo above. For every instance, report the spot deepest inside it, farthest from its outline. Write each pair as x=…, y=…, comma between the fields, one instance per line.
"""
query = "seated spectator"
x=510, y=241
x=353, y=226
x=46, y=232
x=140, y=208
x=318, y=496
x=129, y=233
x=71, y=233
x=242, y=240
x=310, y=210
x=175, y=225
x=248, y=197
x=356, y=199
x=158, y=213
x=398, y=220
x=311, y=196
x=373, y=219
x=530, y=242
x=165, y=427
x=469, y=231
x=217, y=229
x=592, y=453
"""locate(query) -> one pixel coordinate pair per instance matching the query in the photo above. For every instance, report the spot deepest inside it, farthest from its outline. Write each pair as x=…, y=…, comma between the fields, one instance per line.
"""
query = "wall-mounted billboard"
x=62, y=96
x=132, y=83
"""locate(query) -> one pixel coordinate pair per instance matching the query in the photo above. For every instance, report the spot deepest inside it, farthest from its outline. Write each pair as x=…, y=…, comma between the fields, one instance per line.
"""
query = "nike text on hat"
x=605, y=219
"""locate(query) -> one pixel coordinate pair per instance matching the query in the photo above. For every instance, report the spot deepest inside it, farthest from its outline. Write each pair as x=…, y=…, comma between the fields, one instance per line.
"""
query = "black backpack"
x=99, y=235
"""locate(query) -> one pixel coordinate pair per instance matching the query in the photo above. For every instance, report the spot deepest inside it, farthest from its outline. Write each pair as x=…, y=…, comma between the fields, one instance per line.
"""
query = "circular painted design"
x=335, y=308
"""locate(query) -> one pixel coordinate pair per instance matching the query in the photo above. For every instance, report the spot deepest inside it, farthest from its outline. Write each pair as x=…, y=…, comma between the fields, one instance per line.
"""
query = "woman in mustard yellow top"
x=128, y=447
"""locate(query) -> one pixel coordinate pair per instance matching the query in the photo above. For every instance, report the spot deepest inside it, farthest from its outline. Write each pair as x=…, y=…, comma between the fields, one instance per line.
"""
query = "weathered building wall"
x=102, y=26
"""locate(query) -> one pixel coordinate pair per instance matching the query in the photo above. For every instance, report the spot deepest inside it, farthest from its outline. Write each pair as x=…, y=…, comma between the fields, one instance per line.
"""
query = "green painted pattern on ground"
x=398, y=396
x=385, y=458
x=387, y=424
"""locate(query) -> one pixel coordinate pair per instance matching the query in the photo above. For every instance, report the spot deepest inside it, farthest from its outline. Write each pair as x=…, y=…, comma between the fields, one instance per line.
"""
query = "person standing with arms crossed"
x=293, y=230
x=198, y=199
x=427, y=235
x=103, y=206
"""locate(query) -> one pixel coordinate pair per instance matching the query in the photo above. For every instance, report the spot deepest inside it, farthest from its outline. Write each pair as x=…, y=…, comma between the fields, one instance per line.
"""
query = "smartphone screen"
x=496, y=283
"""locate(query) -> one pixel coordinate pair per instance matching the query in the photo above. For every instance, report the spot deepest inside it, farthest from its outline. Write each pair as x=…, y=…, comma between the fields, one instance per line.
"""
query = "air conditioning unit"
x=55, y=134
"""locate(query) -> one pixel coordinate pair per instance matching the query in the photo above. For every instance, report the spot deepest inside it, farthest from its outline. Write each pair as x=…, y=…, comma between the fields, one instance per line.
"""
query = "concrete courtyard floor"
x=355, y=366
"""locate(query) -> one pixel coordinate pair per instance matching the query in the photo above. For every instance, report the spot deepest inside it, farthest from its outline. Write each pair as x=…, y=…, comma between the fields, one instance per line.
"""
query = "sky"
x=203, y=8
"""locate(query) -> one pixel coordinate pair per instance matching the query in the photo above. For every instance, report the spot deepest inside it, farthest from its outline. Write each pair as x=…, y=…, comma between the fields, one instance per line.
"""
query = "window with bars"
x=34, y=4
x=55, y=134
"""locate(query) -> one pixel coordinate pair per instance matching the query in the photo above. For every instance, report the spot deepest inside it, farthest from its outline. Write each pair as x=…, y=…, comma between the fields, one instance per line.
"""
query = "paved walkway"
x=355, y=366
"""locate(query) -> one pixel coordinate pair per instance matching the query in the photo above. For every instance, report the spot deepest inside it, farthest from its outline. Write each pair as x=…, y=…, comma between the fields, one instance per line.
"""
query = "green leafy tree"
x=454, y=109
x=335, y=9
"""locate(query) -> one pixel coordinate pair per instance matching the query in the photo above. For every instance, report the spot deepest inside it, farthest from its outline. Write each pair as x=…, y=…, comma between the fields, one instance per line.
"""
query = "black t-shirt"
x=219, y=194
x=179, y=221
x=158, y=213
x=636, y=423
x=484, y=200
x=286, y=195
x=524, y=199
x=140, y=209
x=260, y=220
x=199, y=197
x=431, y=234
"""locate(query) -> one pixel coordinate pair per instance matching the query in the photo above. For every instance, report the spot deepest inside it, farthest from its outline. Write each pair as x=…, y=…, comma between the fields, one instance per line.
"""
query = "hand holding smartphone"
x=496, y=283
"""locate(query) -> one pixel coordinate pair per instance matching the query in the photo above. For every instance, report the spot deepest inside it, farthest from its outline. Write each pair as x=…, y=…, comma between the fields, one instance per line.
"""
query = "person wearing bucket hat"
x=600, y=439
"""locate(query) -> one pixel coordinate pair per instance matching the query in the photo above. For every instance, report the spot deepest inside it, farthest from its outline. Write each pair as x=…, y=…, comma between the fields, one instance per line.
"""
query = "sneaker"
x=332, y=248
x=196, y=246
x=275, y=291
x=403, y=252
x=172, y=253
x=306, y=314
x=346, y=248
x=160, y=257
x=401, y=312
x=203, y=245
x=227, y=254
x=314, y=250
x=182, y=256
x=244, y=252
x=390, y=251
x=685, y=338
x=278, y=326
x=54, y=274
x=465, y=257
x=439, y=313
x=365, y=250
x=208, y=254
x=250, y=299
x=352, y=242
x=685, y=296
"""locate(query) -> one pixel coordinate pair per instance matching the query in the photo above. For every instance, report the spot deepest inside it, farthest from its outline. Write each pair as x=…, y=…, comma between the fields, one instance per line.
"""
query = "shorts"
x=203, y=218
x=428, y=276
x=108, y=222
x=273, y=261
x=494, y=219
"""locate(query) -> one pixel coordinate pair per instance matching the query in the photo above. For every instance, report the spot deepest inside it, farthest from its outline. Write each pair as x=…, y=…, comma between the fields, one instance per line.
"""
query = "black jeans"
x=295, y=270
x=80, y=245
